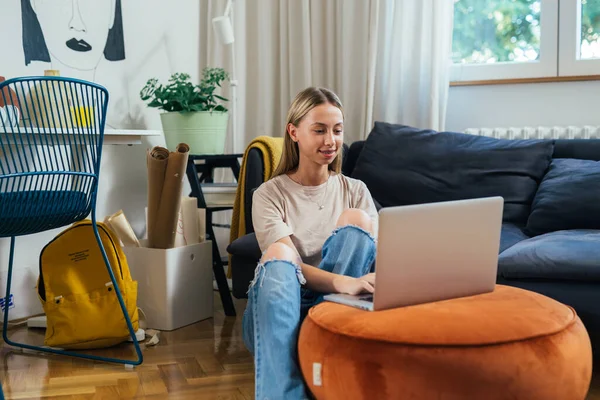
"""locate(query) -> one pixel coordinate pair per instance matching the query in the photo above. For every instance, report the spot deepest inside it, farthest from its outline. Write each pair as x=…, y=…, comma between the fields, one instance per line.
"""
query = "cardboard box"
x=175, y=286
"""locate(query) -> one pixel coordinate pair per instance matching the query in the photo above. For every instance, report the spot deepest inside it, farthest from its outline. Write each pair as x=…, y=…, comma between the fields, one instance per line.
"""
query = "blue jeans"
x=277, y=305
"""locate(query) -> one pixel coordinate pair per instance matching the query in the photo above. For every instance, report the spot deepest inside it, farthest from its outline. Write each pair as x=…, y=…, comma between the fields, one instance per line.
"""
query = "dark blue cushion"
x=510, y=235
x=403, y=165
x=245, y=246
x=568, y=198
x=563, y=255
x=28, y=212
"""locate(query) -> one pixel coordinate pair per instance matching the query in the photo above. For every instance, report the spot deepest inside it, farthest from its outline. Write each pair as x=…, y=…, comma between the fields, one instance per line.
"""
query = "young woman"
x=316, y=229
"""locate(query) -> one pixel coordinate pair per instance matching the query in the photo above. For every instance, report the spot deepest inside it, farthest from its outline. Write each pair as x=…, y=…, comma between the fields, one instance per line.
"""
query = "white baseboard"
x=37, y=322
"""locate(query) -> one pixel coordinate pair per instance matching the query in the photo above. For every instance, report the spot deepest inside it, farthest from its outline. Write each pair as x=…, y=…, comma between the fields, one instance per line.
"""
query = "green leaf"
x=180, y=94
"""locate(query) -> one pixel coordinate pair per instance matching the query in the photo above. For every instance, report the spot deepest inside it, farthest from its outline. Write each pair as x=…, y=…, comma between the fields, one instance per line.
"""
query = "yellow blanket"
x=271, y=149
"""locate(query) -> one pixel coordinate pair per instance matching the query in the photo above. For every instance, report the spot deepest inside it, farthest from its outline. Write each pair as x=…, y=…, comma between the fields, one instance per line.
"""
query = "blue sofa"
x=550, y=240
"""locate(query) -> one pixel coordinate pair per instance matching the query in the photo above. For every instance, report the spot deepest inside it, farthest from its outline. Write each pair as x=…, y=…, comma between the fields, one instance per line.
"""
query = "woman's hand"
x=348, y=285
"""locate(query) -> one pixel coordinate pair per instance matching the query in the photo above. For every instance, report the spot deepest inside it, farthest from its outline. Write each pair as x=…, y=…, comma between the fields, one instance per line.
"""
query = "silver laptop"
x=434, y=251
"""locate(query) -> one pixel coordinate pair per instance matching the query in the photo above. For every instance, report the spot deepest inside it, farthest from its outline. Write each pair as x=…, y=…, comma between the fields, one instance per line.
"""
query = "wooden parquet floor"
x=207, y=360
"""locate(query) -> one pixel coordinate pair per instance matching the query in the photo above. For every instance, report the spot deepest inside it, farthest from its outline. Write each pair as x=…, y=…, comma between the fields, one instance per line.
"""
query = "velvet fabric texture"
x=570, y=255
x=567, y=198
x=511, y=234
x=404, y=165
x=508, y=344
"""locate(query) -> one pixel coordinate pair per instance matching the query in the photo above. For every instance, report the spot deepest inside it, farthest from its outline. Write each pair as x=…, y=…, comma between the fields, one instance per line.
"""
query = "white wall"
x=160, y=39
x=536, y=104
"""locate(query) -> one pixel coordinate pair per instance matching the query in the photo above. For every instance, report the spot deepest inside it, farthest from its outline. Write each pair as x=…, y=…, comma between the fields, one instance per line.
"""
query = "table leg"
x=235, y=167
x=218, y=270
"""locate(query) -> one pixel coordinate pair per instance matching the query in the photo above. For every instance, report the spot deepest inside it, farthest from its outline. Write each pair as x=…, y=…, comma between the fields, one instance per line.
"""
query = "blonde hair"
x=305, y=101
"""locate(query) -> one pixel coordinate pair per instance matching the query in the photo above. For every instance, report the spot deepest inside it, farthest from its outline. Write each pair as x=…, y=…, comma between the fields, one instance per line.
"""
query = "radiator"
x=540, y=132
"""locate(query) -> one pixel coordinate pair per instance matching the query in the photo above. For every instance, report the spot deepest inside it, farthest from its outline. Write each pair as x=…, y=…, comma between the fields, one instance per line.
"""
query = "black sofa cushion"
x=584, y=149
x=404, y=165
x=568, y=198
x=570, y=255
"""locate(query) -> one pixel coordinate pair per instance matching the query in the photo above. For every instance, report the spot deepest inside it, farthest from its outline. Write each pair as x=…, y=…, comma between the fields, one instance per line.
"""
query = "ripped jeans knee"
x=260, y=271
x=353, y=228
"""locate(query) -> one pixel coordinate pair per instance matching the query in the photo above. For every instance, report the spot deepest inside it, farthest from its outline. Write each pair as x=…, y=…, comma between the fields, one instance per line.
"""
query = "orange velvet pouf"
x=508, y=344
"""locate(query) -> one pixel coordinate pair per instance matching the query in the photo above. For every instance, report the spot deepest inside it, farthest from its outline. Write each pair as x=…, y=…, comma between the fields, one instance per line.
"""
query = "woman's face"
x=320, y=134
x=75, y=31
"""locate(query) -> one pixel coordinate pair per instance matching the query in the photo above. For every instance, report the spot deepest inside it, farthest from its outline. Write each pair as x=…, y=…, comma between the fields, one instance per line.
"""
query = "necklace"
x=322, y=205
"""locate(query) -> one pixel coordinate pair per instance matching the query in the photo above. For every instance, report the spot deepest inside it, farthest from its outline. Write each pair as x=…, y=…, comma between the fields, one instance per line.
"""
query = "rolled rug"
x=168, y=210
x=156, y=161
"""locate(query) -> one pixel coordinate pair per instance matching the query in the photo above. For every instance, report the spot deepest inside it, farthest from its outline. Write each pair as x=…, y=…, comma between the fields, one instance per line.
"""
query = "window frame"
x=545, y=66
x=569, y=34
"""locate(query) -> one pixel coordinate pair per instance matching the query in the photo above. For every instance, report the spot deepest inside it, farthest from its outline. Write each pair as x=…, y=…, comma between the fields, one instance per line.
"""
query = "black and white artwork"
x=75, y=36
x=116, y=44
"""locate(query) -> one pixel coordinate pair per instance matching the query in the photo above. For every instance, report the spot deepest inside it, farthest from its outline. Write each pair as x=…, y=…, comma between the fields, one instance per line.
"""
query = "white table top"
x=111, y=136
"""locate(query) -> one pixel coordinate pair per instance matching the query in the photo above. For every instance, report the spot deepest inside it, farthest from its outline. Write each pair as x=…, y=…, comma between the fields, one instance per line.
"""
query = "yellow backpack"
x=77, y=294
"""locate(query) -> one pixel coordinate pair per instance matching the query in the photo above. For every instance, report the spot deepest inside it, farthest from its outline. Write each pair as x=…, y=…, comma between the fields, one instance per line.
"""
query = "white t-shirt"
x=282, y=207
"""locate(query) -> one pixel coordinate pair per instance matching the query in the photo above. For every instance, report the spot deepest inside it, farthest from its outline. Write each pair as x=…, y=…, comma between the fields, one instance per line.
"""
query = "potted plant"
x=195, y=114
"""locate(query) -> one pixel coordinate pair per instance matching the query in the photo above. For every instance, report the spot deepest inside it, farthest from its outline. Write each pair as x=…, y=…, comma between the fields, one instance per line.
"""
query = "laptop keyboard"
x=367, y=298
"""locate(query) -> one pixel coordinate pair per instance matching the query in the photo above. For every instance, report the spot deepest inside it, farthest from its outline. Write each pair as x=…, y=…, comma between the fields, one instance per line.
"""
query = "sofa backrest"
x=583, y=149
x=404, y=165
x=349, y=162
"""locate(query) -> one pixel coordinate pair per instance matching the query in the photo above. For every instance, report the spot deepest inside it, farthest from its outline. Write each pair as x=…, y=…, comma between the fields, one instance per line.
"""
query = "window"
x=496, y=31
x=589, y=26
x=512, y=39
x=579, y=38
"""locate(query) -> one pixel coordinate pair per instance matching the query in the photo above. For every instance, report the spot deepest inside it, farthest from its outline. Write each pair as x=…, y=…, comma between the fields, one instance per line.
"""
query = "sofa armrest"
x=245, y=255
x=253, y=179
x=245, y=246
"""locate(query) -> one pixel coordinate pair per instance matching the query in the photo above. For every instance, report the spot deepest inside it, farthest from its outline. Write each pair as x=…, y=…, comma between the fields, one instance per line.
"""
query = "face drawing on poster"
x=73, y=35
